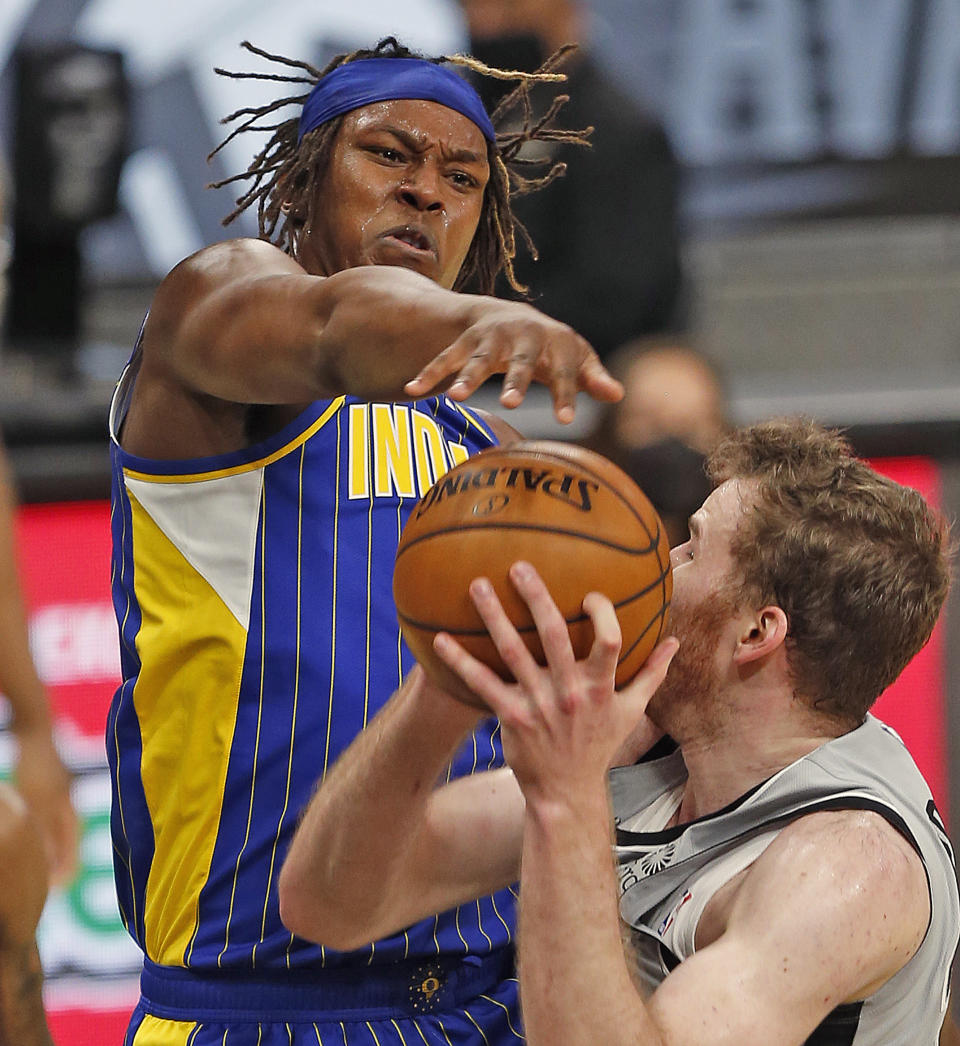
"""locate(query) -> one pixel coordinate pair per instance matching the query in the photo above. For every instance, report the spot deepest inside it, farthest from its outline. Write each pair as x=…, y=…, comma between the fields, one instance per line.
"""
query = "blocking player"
x=783, y=876
x=282, y=412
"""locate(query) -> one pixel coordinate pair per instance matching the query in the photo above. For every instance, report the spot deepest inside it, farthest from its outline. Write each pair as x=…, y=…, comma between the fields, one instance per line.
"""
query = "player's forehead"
x=720, y=514
x=426, y=123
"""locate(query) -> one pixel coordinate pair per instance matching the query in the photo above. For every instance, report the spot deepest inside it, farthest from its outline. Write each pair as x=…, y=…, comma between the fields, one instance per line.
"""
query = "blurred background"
x=772, y=205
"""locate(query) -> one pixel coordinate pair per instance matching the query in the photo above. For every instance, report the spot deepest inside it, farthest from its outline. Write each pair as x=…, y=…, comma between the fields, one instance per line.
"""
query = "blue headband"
x=364, y=81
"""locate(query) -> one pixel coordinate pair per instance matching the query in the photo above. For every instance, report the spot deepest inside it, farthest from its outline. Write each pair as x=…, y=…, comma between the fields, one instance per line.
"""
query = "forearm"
x=576, y=987
x=384, y=324
x=347, y=878
x=22, y=1018
x=283, y=336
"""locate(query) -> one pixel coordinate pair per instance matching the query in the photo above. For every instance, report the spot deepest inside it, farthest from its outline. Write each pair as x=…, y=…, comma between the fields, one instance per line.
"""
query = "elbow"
x=300, y=910
x=317, y=917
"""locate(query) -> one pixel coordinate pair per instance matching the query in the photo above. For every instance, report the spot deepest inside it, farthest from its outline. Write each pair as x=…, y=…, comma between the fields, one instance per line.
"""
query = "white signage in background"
x=154, y=198
x=730, y=60
x=746, y=83
x=75, y=643
x=765, y=82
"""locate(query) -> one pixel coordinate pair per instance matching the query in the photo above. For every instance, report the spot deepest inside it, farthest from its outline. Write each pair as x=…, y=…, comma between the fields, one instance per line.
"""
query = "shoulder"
x=855, y=838
x=853, y=852
x=851, y=883
x=503, y=430
x=213, y=279
x=225, y=261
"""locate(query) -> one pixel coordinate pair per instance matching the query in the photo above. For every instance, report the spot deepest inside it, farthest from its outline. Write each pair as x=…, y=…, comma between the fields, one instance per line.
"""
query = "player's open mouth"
x=412, y=238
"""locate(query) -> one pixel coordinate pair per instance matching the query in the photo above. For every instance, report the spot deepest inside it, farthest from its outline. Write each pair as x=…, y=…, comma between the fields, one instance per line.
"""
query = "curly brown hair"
x=859, y=564
x=285, y=174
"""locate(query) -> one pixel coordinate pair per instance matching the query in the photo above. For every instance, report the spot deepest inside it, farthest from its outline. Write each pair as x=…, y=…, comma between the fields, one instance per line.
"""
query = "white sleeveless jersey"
x=667, y=876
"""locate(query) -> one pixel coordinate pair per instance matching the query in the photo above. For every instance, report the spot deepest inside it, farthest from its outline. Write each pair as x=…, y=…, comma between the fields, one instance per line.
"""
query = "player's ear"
x=295, y=211
x=763, y=632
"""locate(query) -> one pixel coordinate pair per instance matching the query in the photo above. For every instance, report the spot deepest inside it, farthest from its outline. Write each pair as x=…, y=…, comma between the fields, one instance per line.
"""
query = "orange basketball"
x=581, y=521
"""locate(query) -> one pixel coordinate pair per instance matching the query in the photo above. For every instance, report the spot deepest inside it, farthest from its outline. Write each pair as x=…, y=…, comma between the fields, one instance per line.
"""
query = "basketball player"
x=280, y=416
x=783, y=876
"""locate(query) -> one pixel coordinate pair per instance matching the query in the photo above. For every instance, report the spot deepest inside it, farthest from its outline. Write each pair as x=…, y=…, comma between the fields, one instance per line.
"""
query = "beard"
x=688, y=694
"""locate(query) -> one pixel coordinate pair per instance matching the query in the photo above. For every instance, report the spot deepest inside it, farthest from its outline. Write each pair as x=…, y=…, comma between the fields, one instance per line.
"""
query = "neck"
x=730, y=757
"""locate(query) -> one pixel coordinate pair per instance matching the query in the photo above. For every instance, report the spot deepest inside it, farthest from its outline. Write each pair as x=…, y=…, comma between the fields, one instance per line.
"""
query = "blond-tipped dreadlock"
x=283, y=176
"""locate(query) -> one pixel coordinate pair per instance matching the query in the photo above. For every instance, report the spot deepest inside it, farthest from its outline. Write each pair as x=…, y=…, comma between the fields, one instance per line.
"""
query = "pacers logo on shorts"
x=425, y=986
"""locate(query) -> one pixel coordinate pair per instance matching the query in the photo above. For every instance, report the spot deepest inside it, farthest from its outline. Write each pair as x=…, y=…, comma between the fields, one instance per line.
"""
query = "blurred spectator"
x=606, y=232
x=40, y=774
x=672, y=413
x=38, y=828
x=23, y=891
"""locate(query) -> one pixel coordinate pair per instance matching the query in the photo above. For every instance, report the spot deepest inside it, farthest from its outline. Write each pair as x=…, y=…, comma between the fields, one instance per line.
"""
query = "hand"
x=44, y=783
x=562, y=724
x=515, y=339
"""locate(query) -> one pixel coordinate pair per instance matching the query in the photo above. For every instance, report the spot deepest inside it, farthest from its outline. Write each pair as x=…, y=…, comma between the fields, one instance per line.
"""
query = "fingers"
x=438, y=370
x=551, y=628
x=511, y=648
x=485, y=683
x=519, y=371
x=598, y=382
x=607, y=638
x=644, y=684
x=525, y=346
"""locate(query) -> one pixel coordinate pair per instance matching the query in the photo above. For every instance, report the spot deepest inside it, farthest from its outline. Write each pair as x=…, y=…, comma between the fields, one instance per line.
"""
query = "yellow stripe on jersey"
x=428, y=443
x=459, y=453
x=181, y=702
x=155, y=1031
x=236, y=470
x=359, y=457
x=407, y=451
x=470, y=418
x=391, y=451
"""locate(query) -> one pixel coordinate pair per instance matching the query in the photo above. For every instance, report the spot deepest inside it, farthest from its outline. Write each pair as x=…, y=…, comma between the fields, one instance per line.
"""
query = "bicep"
x=831, y=910
x=237, y=321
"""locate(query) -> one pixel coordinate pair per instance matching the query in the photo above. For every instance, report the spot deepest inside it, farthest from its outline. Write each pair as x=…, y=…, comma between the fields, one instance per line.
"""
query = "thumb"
x=643, y=686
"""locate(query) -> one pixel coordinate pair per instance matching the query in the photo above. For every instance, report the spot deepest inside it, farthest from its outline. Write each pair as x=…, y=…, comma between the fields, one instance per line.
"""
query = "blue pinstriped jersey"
x=258, y=637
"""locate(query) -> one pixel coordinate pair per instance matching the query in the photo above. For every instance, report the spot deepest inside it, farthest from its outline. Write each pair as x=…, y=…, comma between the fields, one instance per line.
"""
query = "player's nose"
x=420, y=189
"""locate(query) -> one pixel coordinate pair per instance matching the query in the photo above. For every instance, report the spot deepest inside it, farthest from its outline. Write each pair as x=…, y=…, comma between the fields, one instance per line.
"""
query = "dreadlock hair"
x=284, y=176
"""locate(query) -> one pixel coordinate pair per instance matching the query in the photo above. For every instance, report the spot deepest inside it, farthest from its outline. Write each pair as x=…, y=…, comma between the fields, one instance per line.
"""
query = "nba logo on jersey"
x=667, y=920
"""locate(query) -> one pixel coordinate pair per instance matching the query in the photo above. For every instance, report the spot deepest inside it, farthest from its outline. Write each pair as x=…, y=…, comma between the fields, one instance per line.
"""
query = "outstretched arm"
x=243, y=322
x=380, y=846
x=40, y=774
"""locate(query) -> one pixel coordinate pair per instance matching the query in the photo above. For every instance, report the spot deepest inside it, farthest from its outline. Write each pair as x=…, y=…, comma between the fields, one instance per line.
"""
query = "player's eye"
x=463, y=180
x=385, y=152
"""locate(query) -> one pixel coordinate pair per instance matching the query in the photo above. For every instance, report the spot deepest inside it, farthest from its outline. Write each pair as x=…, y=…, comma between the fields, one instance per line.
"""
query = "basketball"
x=575, y=516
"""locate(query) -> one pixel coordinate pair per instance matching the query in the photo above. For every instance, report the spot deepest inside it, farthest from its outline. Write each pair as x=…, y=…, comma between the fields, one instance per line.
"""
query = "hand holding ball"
x=577, y=518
